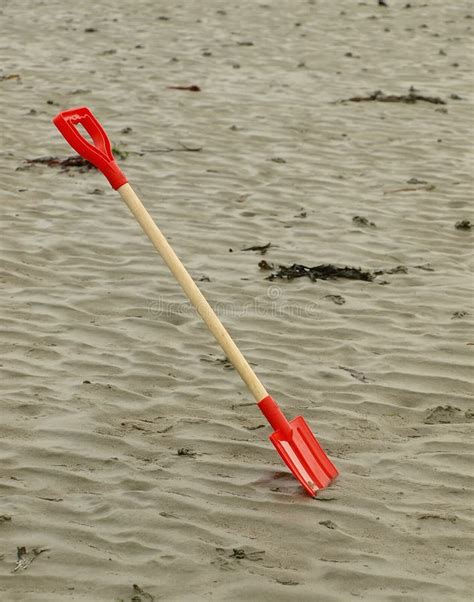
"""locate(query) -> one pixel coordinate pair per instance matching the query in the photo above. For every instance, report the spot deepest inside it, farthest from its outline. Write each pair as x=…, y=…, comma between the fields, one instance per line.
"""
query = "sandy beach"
x=134, y=465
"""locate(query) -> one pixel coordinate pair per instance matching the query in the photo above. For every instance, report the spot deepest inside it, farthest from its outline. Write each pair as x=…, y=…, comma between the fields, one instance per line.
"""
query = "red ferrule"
x=271, y=410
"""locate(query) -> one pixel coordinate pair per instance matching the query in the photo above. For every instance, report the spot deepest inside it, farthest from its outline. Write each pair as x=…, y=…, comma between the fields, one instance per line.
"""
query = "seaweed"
x=457, y=315
x=10, y=76
x=463, y=224
x=399, y=269
x=411, y=98
x=328, y=523
x=184, y=451
x=324, y=271
x=140, y=595
x=302, y=214
x=242, y=554
x=71, y=162
x=261, y=248
x=363, y=221
x=74, y=162
x=337, y=299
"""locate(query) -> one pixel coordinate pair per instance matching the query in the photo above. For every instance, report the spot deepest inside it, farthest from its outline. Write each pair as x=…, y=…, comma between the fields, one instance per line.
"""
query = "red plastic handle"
x=99, y=153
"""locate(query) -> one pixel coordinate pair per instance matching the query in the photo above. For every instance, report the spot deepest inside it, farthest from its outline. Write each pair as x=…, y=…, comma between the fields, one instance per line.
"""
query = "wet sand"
x=107, y=373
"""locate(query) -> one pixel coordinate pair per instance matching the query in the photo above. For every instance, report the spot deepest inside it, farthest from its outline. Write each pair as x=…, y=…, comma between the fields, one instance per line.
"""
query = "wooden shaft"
x=192, y=291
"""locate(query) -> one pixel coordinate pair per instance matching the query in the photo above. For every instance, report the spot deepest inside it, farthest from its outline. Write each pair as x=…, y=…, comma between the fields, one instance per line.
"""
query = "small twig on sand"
x=169, y=149
x=192, y=88
x=429, y=187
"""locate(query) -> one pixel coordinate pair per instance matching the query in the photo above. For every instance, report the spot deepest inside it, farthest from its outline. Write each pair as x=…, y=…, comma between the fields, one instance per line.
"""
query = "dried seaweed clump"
x=411, y=98
x=320, y=272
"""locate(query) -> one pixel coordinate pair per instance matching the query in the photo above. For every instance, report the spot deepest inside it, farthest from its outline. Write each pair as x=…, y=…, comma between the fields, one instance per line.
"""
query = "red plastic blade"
x=304, y=456
x=100, y=153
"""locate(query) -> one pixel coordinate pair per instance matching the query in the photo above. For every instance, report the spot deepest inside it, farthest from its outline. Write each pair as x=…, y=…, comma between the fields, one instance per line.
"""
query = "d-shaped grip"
x=100, y=153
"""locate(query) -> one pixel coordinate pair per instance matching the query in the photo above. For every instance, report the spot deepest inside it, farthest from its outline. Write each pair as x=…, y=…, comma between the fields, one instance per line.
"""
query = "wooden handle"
x=192, y=291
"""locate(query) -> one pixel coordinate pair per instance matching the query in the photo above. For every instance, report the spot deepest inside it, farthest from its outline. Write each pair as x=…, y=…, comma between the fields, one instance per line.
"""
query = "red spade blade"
x=303, y=455
x=299, y=448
